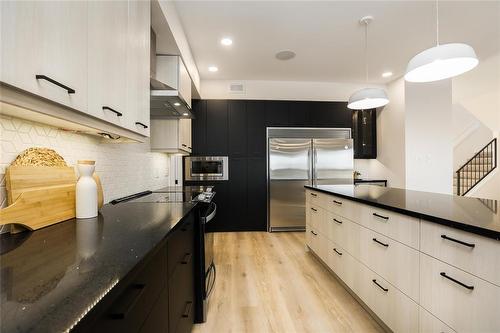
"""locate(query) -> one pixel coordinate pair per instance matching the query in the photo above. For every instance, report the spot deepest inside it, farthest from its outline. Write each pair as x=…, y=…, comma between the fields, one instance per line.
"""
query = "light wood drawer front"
x=316, y=242
x=477, y=255
x=395, y=262
x=454, y=302
x=430, y=324
x=343, y=232
x=394, y=308
x=397, y=226
x=344, y=207
x=343, y=264
x=318, y=216
x=316, y=198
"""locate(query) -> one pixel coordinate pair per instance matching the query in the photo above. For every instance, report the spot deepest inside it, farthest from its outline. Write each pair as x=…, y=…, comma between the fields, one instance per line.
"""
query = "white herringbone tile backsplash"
x=124, y=168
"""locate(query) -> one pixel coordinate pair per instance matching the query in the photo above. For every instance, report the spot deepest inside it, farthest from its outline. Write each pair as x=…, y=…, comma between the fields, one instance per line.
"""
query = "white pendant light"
x=367, y=98
x=441, y=61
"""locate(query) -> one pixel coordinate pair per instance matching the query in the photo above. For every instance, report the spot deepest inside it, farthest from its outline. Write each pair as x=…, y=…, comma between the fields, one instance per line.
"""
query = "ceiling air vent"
x=236, y=88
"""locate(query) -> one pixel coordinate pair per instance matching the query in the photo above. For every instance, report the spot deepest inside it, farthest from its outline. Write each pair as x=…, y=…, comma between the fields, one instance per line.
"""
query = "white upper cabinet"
x=107, y=56
x=138, y=64
x=171, y=135
x=44, y=49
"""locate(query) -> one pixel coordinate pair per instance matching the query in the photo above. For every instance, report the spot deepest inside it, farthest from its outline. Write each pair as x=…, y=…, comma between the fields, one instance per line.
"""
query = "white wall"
x=124, y=168
x=429, y=136
x=280, y=90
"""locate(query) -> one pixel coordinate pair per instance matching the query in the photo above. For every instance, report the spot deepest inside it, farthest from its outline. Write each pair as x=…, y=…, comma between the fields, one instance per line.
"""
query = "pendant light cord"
x=437, y=22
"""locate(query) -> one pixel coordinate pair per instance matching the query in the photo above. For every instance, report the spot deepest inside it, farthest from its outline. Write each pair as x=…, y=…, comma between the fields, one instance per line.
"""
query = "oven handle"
x=208, y=218
x=211, y=289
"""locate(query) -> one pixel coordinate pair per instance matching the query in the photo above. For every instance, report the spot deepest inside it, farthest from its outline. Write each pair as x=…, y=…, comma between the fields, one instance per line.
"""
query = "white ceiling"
x=327, y=37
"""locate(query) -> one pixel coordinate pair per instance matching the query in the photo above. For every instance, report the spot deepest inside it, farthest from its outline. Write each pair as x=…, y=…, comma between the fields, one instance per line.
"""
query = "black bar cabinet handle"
x=118, y=114
x=339, y=222
x=458, y=241
x=314, y=209
x=186, y=259
x=59, y=84
x=337, y=202
x=384, y=289
x=183, y=145
x=314, y=194
x=187, y=309
x=315, y=234
x=139, y=123
x=443, y=274
x=381, y=216
x=339, y=253
x=126, y=302
x=377, y=241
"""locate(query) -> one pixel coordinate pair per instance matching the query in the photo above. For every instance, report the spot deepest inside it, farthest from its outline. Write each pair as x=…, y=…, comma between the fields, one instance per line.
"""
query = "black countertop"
x=479, y=216
x=52, y=277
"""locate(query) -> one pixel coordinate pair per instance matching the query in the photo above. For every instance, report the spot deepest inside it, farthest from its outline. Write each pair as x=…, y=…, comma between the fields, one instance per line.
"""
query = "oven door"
x=206, y=168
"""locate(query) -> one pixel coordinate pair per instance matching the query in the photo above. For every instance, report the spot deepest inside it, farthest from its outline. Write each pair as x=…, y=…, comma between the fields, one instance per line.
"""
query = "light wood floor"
x=267, y=282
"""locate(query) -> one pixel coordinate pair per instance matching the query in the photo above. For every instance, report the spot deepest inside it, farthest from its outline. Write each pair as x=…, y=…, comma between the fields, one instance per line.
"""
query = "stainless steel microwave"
x=206, y=168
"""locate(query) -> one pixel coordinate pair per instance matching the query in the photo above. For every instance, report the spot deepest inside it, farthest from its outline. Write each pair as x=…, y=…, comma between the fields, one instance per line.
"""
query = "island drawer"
x=316, y=241
x=430, y=324
x=343, y=232
x=475, y=254
x=130, y=309
x=181, y=299
x=181, y=244
x=342, y=264
x=400, y=227
x=317, y=218
x=464, y=302
x=394, y=308
x=345, y=208
x=316, y=198
x=394, y=261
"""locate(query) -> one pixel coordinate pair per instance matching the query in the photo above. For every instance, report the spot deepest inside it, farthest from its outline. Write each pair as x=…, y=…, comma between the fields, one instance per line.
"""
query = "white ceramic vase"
x=86, y=191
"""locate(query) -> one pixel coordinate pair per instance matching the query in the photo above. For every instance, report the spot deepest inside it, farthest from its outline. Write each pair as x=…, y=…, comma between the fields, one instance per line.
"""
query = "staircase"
x=476, y=169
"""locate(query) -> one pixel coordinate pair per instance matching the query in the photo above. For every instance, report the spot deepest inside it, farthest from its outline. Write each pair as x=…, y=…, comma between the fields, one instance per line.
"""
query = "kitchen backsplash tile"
x=124, y=168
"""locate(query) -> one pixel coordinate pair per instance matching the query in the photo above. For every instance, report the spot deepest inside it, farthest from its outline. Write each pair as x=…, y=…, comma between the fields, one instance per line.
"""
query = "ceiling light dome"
x=441, y=62
x=368, y=98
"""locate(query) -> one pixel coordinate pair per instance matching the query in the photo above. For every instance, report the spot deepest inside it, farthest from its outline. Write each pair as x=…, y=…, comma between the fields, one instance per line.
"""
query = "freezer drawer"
x=287, y=204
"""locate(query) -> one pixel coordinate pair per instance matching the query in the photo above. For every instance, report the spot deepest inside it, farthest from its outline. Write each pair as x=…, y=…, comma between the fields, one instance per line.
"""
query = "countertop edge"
x=435, y=219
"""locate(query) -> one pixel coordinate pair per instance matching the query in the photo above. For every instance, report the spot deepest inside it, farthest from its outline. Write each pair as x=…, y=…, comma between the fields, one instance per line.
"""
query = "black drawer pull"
x=190, y=147
x=139, y=123
x=315, y=234
x=443, y=274
x=314, y=194
x=377, y=241
x=458, y=241
x=337, y=202
x=186, y=259
x=118, y=114
x=339, y=253
x=126, y=302
x=384, y=289
x=381, y=216
x=339, y=222
x=46, y=78
x=314, y=209
x=187, y=309
x=184, y=145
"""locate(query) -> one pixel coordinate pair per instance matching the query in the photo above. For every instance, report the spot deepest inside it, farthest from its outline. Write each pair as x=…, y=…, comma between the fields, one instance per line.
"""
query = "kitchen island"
x=420, y=262
x=77, y=274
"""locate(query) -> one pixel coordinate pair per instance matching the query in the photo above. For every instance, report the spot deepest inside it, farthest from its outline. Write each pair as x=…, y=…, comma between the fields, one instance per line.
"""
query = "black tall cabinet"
x=364, y=132
x=237, y=128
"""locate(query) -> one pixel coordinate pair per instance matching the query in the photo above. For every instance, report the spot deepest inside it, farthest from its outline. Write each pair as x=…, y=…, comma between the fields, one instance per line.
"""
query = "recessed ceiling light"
x=226, y=41
x=213, y=69
x=387, y=74
x=285, y=55
x=185, y=114
x=177, y=104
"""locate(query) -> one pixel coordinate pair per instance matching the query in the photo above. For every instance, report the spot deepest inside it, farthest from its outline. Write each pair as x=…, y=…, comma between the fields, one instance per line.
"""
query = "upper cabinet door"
x=107, y=60
x=138, y=63
x=44, y=49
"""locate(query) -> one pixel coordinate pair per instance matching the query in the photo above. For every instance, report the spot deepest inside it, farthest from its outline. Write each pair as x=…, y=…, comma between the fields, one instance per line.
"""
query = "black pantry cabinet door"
x=199, y=126
x=238, y=194
x=222, y=220
x=364, y=132
x=217, y=127
x=257, y=193
x=298, y=114
x=277, y=113
x=237, y=128
x=256, y=129
x=330, y=114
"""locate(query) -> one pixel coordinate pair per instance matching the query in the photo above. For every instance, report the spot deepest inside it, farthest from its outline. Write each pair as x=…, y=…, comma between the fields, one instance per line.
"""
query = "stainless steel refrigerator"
x=303, y=156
